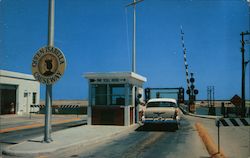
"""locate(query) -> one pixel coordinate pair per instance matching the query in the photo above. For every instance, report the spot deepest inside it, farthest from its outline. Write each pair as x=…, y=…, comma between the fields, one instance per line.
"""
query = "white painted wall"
x=25, y=84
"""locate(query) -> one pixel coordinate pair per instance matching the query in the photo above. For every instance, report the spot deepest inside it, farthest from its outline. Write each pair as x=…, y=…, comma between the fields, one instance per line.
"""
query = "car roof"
x=163, y=99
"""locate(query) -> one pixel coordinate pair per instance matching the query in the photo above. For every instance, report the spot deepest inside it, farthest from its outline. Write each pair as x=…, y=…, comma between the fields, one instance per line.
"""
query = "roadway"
x=146, y=142
x=149, y=142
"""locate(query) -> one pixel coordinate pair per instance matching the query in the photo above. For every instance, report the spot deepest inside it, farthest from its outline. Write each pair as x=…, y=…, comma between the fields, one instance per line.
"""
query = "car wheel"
x=177, y=126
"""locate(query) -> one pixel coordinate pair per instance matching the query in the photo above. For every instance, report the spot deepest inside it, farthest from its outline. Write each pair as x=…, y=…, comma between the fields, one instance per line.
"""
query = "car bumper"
x=160, y=121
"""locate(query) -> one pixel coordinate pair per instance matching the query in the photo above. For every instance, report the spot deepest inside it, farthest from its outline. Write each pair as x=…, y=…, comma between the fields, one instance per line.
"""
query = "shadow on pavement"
x=6, y=142
x=158, y=127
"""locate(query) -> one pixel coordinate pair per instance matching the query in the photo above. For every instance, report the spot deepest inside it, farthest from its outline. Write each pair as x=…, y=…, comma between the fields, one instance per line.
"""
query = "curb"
x=209, y=143
x=200, y=116
x=206, y=138
x=72, y=146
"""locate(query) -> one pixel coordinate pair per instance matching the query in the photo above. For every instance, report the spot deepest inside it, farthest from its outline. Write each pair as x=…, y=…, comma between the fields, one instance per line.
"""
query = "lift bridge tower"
x=191, y=91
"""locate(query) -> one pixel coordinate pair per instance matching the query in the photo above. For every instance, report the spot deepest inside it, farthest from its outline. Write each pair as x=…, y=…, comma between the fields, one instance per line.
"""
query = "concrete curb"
x=200, y=116
x=209, y=143
x=72, y=146
x=206, y=138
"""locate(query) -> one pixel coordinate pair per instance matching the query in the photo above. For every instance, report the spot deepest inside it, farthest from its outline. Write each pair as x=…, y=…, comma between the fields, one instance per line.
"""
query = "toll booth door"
x=136, y=104
x=8, y=99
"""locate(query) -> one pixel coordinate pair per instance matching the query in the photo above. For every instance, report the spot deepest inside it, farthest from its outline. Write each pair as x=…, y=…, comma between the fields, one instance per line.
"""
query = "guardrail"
x=60, y=109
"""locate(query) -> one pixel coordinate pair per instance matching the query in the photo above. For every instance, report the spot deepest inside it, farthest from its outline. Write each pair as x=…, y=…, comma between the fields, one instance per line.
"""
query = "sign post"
x=48, y=66
x=217, y=123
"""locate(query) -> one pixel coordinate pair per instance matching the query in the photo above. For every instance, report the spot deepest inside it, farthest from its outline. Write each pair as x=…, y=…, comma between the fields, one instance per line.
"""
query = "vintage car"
x=162, y=111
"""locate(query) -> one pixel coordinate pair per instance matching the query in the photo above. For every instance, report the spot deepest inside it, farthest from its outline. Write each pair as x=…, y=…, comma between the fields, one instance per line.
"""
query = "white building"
x=18, y=91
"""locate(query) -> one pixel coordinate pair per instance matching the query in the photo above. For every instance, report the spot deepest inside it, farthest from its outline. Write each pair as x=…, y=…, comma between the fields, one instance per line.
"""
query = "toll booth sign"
x=48, y=65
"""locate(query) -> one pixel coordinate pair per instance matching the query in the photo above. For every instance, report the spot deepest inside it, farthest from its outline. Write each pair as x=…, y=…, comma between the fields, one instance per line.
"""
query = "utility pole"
x=211, y=100
x=134, y=35
x=243, y=104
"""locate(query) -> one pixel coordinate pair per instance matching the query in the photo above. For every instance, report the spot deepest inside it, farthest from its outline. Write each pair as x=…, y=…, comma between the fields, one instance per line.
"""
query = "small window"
x=34, y=98
x=117, y=94
x=25, y=95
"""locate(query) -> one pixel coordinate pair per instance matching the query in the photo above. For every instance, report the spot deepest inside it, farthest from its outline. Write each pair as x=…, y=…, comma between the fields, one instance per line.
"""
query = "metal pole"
x=51, y=22
x=48, y=96
x=219, y=137
x=134, y=35
x=134, y=40
x=48, y=102
x=207, y=97
x=243, y=77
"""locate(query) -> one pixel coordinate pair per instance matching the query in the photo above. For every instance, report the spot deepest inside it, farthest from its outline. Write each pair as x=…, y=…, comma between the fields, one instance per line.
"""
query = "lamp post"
x=134, y=34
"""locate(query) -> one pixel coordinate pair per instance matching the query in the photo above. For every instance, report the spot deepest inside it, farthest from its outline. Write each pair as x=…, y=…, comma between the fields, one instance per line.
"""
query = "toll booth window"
x=117, y=94
x=99, y=94
x=34, y=98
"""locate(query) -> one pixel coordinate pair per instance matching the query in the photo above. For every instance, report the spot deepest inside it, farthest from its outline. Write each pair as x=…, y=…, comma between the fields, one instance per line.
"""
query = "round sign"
x=192, y=79
x=196, y=91
x=192, y=86
x=48, y=65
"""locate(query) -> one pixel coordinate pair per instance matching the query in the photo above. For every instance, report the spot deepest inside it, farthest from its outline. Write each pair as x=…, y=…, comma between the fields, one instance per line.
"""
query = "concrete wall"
x=25, y=84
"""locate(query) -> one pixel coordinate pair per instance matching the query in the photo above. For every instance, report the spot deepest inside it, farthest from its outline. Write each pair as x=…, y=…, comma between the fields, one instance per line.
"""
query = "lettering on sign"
x=48, y=65
x=105, y=80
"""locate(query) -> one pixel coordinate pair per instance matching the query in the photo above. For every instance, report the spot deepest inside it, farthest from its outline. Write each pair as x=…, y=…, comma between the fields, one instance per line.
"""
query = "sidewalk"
x=77, y=137
x=10, y=123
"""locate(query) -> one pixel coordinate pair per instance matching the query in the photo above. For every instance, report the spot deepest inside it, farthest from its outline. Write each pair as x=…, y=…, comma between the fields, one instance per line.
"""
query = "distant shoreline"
x=199, y=103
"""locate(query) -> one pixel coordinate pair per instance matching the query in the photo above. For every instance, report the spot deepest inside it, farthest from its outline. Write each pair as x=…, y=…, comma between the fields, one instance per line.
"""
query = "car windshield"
x=161, y=104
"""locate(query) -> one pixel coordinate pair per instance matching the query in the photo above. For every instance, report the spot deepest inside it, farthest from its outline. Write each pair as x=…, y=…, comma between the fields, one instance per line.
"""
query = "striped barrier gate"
x=233, y=122
x=227, y=122
x=60, y=109
x=37, y=106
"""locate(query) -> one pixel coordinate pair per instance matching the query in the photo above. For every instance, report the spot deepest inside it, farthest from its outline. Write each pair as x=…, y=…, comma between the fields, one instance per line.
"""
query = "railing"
x=60, y=109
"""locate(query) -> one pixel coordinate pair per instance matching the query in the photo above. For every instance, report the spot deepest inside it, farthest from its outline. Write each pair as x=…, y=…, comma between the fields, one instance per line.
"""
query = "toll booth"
x=112, y=98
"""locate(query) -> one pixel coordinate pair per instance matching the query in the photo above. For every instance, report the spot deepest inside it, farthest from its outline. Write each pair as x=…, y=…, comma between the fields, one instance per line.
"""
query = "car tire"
x=177, y=126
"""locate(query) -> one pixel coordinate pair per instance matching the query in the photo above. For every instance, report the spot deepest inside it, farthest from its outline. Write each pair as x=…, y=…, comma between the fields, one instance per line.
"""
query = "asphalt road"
x=146, y=142
x=15, y=137
x=149, y=142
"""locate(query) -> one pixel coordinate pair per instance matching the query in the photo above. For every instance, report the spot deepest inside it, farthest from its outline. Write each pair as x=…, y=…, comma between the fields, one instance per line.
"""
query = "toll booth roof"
x=111, y=75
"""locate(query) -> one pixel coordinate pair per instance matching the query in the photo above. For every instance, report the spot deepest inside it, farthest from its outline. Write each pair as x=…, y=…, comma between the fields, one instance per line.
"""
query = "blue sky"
x=96, y=36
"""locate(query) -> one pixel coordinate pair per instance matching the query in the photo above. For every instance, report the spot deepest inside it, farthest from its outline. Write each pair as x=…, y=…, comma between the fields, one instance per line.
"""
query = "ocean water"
x=204, y=111
x=232, y=112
